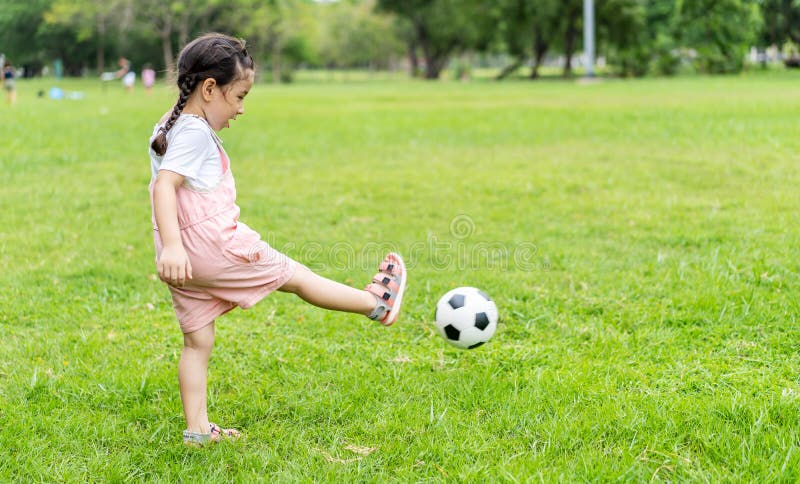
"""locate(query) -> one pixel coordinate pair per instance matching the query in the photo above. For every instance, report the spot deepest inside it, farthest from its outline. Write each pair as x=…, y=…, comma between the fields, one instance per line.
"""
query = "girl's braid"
x=186, y=86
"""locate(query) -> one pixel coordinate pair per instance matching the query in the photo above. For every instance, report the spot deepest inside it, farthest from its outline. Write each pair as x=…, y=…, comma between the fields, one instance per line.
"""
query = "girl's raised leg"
x=380, y=300
x=328, y=294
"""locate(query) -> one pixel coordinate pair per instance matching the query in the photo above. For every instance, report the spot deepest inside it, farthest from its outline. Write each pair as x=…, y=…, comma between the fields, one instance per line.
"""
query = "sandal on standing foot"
x=388, y=287
x=214, y=435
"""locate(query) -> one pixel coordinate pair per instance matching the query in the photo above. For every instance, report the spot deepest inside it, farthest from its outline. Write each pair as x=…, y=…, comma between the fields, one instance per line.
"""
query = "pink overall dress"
x=231, y=265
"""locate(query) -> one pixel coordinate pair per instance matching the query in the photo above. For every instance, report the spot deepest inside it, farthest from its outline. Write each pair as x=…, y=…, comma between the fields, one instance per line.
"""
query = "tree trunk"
x=166, y=49
x=435, y=59
x=183, y=29
x=509, y=69
x=413, y=60
x=101, y=43
x=434, y=66
x=163, y=20
x=540, y=47
x=569, y=40
x=276, y=61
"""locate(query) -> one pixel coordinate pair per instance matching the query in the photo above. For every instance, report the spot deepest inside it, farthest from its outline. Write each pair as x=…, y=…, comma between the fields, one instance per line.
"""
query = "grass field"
x=640, y=239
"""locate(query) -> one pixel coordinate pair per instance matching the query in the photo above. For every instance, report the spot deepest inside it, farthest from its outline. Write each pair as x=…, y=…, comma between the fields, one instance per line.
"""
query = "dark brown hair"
x=211, y=56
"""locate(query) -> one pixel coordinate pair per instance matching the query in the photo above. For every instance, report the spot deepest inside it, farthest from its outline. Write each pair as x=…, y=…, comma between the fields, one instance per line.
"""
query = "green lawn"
x=640, y=239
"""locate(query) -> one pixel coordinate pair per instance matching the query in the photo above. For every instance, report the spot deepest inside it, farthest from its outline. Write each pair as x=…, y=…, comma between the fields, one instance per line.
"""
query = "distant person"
x=9, y=85
x=211, y=261
x=148, y=78
x=126, y=74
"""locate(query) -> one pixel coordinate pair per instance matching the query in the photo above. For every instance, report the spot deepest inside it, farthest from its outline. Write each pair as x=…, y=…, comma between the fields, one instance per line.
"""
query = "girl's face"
x=226, y=102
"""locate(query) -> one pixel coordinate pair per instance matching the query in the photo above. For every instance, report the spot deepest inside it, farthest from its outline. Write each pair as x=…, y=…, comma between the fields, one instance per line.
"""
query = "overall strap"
x=224, y=158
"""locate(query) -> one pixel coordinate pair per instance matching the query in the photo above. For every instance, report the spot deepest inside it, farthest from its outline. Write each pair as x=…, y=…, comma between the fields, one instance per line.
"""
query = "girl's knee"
x=202, y=339
x=299, y=281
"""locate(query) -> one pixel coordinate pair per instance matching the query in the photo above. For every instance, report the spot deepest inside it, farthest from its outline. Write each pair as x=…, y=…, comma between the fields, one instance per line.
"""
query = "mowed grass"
x=639, y=237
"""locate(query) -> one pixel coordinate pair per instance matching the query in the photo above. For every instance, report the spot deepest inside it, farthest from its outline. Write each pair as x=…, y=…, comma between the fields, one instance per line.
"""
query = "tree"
x=512, y=30
x=572, y=19
x=626, y=36
x=91, y=20
x=781, y=21
x=658, y=35
x=721, y=32
x=165, y=19
x=31, y=42
x=277, y=31
x=526, y=29
x=440, y=28
x=352, y=34
x=544, y=31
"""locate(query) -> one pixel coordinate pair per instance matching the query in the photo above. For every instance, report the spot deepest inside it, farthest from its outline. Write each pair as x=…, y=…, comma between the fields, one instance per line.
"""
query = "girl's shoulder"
x=185, y=122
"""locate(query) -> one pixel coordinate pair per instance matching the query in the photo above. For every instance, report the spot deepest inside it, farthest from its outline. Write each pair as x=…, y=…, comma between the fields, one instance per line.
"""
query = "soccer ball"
x=466, y=317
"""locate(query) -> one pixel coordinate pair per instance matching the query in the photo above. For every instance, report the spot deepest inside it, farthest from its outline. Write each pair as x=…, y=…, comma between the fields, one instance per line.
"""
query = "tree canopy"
x=636, y=37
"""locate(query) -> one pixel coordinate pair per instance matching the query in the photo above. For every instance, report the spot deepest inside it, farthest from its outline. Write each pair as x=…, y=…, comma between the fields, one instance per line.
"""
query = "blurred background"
x=428, y=39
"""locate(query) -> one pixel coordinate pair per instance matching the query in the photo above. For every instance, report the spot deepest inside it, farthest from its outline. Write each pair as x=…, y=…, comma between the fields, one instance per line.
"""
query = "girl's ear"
x=207, y=88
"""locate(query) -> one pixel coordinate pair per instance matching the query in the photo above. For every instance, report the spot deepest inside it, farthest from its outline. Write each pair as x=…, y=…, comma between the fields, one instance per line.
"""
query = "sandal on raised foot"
x=388, y=287
x=215, y=434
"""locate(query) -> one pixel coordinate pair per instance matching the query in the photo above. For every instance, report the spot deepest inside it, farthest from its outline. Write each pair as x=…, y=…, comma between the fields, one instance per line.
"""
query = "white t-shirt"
x=193, y=150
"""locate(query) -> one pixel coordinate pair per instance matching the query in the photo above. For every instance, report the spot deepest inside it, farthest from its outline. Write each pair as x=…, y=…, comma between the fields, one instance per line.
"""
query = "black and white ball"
x=466, y=317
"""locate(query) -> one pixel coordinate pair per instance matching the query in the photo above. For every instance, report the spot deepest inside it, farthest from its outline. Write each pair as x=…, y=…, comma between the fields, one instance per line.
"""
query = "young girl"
x=210, y=260
x=148, y=78
x=8, y=83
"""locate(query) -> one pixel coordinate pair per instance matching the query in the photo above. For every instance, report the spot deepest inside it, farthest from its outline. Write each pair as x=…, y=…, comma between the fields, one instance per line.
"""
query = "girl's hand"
x=174, y=267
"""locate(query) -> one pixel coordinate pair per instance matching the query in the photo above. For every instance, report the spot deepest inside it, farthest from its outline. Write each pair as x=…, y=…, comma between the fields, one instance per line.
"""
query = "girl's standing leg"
x=193, y=377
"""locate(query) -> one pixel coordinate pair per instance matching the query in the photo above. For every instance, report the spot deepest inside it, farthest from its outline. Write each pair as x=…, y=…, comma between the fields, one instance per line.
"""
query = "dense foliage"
x=636, y=37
